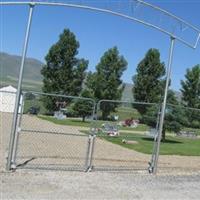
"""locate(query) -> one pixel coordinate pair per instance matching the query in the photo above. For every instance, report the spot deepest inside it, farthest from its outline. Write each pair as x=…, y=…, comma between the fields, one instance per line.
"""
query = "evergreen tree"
x=106, y=82
x=191, y=95
x=148, y=82
x=84, y=107
x=191, y=87
x=174, y=116
x=64, y=72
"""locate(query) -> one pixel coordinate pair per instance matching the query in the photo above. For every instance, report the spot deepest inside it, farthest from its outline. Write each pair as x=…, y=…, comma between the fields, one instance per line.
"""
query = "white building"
x=7, y=99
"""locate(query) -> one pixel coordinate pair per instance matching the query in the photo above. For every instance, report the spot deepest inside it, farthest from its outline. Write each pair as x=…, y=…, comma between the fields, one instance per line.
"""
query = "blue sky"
x=97, y=32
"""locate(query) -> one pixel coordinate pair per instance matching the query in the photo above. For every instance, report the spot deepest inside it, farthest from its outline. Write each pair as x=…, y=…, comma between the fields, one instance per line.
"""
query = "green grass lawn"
x=126, y=113
x=67, y=121
x=172, y=145
x=78, y=122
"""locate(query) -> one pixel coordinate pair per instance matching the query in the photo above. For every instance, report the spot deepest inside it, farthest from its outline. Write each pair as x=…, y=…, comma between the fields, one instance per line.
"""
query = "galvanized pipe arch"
x=102, y=10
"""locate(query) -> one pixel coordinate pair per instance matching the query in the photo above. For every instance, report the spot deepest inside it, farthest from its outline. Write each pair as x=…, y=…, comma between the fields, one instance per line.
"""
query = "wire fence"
x=52, y=151
x=50, y=130
x=120, y=128
x=179, y=148
x=61, y=132
x=56, y=138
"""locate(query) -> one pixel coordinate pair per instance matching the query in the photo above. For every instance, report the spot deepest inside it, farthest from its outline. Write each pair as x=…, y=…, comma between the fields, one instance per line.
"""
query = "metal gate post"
x=91, y=153
x=169, y=69
x=14, y=132
x=88, y=154
x=22, y=100
x=152, y=162
x=18, y=128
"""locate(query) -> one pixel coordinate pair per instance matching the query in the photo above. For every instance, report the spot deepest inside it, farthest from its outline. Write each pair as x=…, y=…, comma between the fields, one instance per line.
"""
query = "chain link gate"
x=119, y=127
x=180, y=148
x=49, y=140
x=52, y=132
x=108, y=139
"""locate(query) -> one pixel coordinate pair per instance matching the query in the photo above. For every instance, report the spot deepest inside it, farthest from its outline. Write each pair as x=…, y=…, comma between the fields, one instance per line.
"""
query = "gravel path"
x=97, y=185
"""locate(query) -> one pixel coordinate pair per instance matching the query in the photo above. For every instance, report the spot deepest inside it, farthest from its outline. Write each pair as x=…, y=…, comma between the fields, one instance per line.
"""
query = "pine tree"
x=174, y=116
x=148, y=82
x=64, y=72
x=106, y=82
x=191, y=87
x=84, y=107
x=191, y=95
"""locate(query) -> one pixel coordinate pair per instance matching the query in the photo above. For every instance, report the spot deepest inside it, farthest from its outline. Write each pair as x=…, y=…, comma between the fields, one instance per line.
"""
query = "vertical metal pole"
x=14, y=134
x=22, y=99
x=152, y=162
x=91, y=153
x=88, y=154
x=169, y=69
x=93, y=121
x=18, y=127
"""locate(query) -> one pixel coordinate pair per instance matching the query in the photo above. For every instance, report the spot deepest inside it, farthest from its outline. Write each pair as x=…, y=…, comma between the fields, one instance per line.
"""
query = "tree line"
x=65, y=73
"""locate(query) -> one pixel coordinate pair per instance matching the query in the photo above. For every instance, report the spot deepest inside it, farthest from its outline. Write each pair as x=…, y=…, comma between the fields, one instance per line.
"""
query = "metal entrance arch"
x=110, y=10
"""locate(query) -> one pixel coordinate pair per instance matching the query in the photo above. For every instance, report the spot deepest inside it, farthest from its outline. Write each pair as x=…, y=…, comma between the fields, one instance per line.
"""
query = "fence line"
x=97, y=144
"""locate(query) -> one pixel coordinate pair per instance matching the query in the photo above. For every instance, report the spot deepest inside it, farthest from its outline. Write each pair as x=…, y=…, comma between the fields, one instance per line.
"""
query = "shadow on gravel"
x=26, y=162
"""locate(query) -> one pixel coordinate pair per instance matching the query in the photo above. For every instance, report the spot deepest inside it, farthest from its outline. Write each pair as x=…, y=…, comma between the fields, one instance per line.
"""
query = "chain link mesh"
x=51, y=134
x=180, y=149
x=120, y=130
x=120, y=137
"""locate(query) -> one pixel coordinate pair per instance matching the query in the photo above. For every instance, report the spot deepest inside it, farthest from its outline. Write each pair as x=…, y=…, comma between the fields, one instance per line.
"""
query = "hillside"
x=9, y=68
x=127, y=93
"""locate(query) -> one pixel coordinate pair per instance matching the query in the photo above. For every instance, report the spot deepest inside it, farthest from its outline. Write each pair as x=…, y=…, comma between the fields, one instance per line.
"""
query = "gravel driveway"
x=180, y=180
x=97, y=185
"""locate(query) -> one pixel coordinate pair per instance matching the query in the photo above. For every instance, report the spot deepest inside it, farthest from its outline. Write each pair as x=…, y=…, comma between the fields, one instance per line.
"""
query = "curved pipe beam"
x=120, y=15
x=169, y=14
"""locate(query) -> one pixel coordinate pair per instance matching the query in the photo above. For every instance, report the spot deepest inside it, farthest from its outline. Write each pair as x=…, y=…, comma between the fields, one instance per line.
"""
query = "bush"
x=34, y=110
x=195, y=124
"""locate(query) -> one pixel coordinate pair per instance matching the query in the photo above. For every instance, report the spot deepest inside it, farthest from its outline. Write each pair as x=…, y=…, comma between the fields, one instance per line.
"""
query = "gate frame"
x=90, y=136
x=151, y=163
